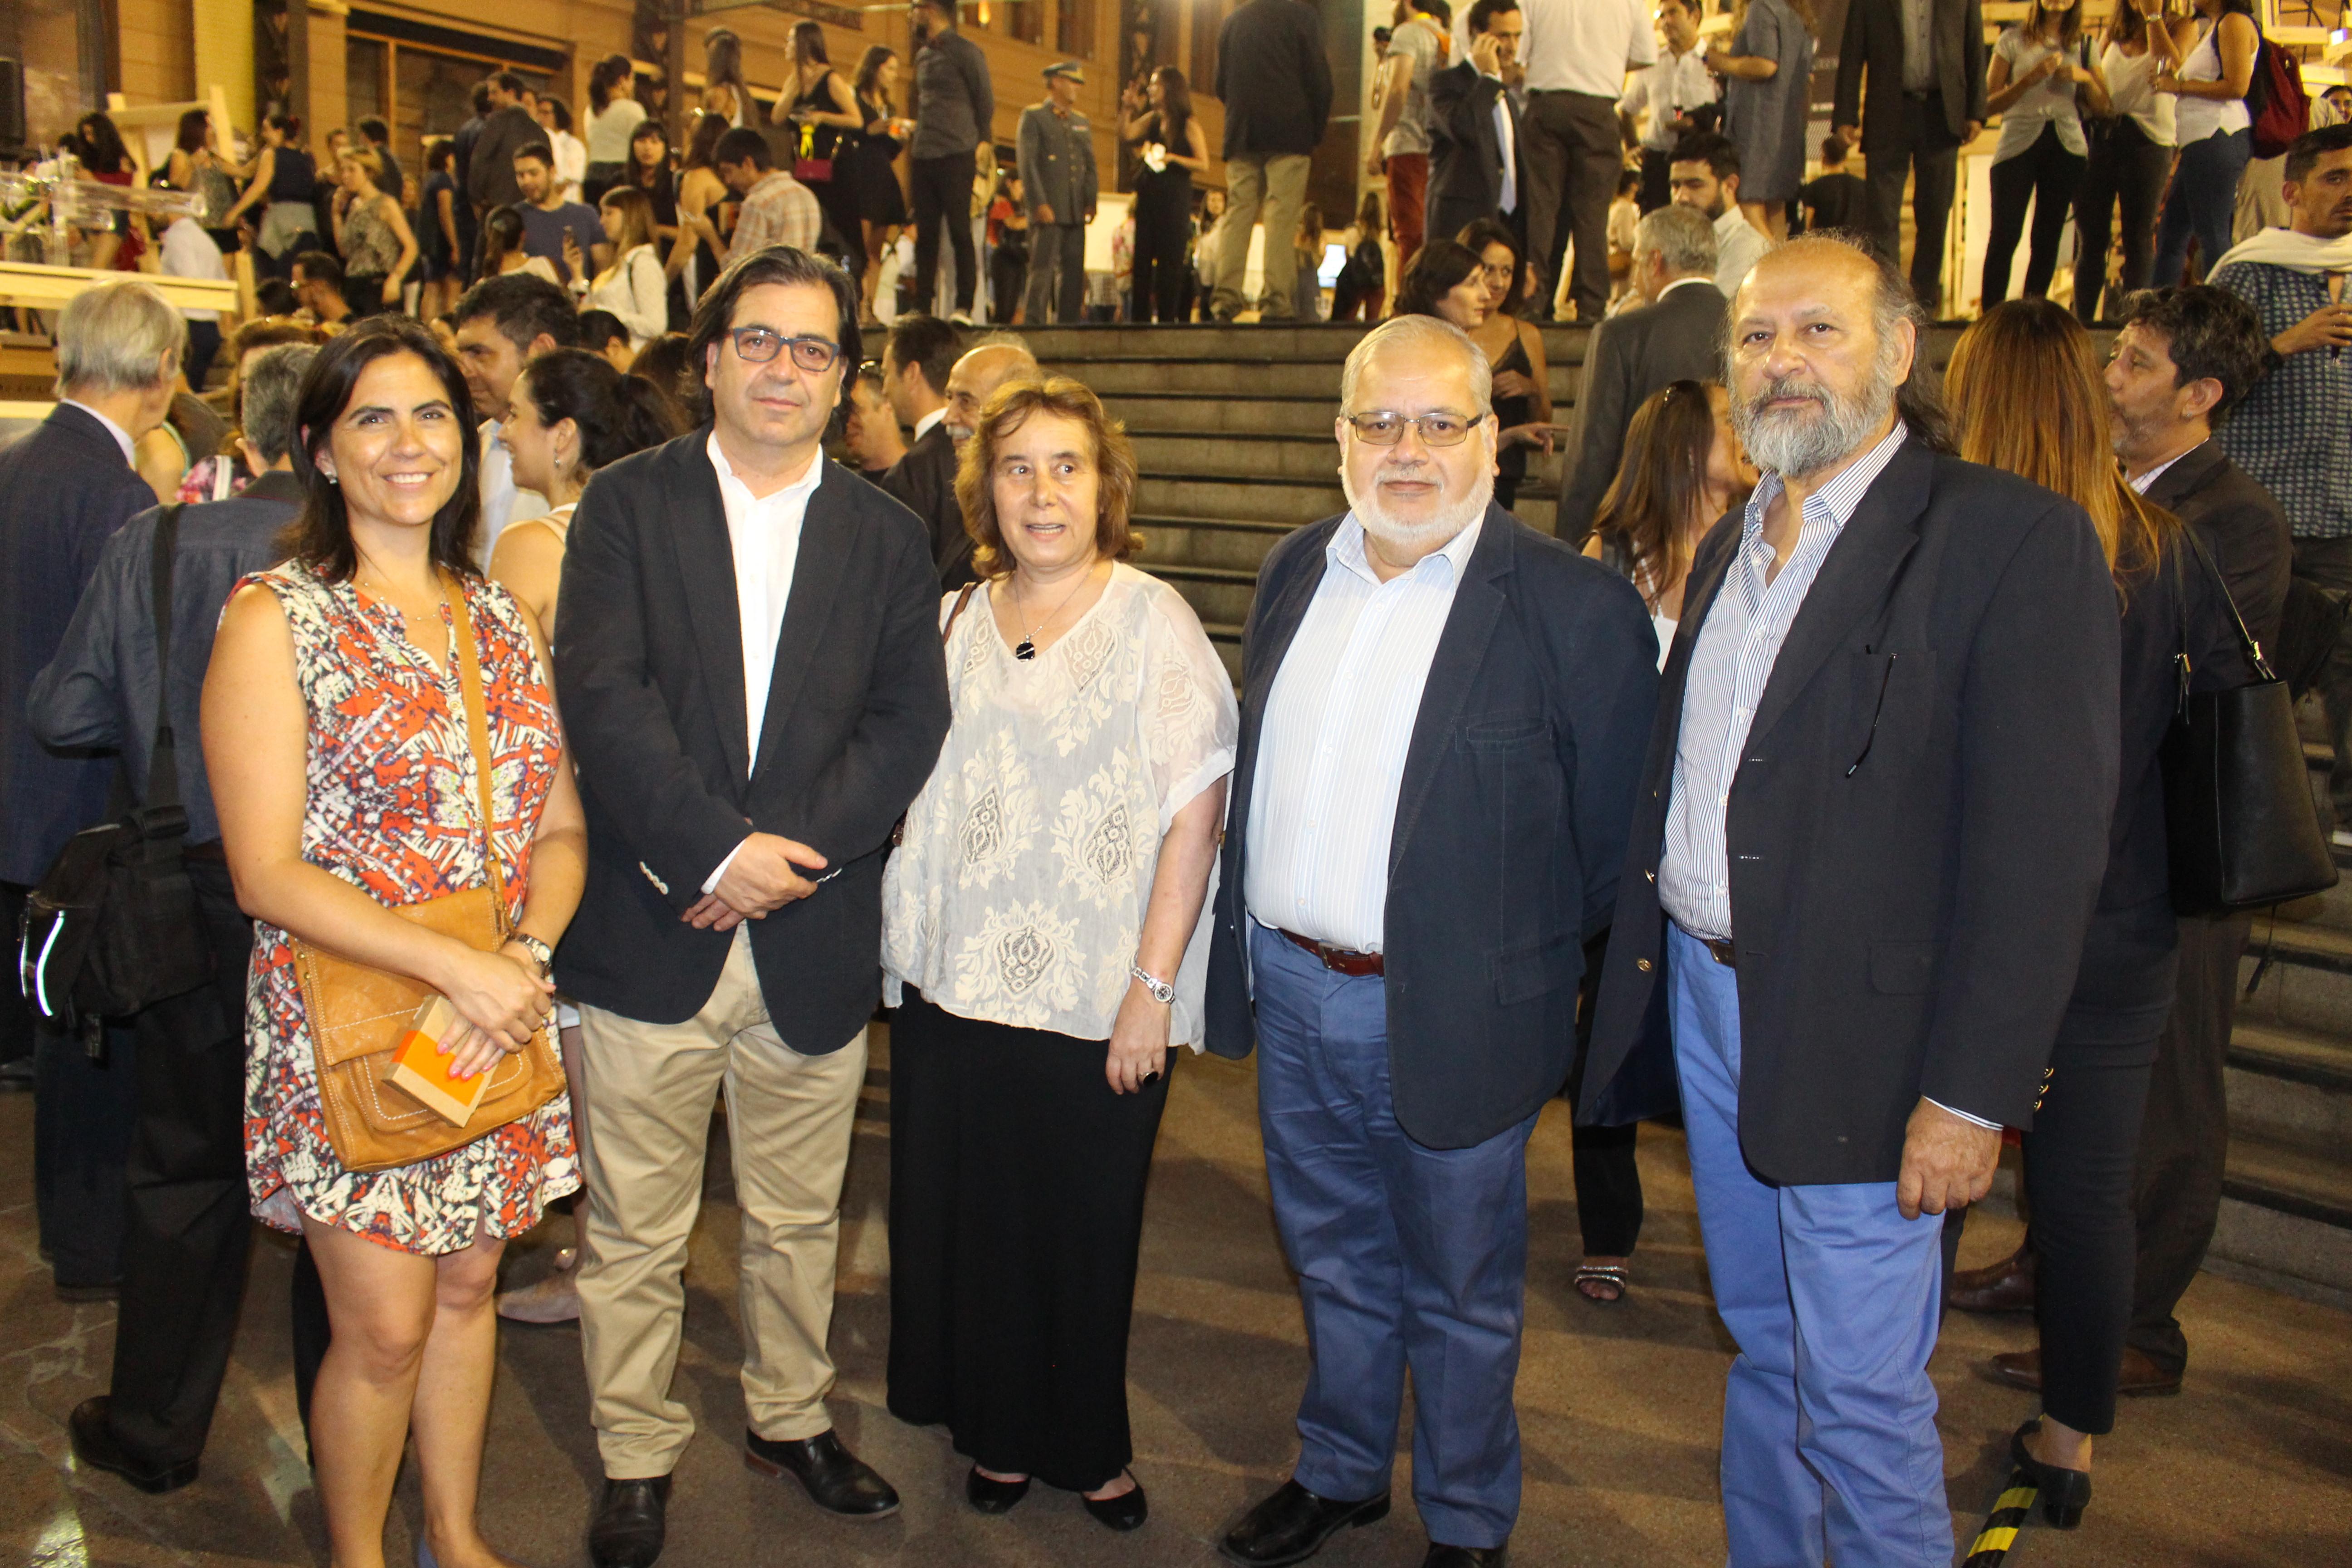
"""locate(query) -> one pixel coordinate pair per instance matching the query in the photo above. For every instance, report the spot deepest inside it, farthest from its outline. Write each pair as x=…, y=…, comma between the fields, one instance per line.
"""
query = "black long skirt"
x=1016, y=1213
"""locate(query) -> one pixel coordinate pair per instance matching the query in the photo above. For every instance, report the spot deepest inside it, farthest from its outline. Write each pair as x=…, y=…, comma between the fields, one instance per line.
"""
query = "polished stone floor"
x=2252, y=1464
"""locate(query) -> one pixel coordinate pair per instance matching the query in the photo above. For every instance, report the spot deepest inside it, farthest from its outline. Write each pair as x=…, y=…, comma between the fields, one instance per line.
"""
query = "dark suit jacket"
x=925, y=479
x=1511, y=823
x=2242, y=525
x=64, y=489
x=1627, y=358
x=1273, y=77
x=489, y=172
x=1873, y=43
x=649, y=667
x=1917, y=834
x=1466, y=161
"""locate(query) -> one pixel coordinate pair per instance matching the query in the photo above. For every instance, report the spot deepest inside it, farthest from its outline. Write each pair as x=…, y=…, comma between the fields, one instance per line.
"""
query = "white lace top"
x=1019, y=893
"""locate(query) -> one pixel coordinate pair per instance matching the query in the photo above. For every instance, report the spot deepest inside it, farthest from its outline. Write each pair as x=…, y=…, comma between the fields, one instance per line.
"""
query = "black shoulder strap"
x=162, y=762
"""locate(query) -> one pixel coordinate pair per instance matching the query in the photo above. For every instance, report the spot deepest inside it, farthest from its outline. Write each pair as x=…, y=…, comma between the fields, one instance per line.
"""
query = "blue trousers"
x=2201, y=205
x=1407, y=1257
x=1830, y=1450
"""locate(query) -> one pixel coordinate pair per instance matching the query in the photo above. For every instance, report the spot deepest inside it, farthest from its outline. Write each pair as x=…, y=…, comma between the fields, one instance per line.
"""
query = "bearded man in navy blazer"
x=1869, y=834
x=1442, y=719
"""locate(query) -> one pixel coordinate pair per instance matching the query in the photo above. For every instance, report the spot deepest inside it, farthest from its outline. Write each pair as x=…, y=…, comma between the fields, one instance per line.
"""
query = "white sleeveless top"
x=2130, y=83
x=2195, y=118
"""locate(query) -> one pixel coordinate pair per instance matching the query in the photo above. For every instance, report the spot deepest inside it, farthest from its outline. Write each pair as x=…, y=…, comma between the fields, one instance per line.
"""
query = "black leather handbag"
x=2243, y=829
x=113, y=926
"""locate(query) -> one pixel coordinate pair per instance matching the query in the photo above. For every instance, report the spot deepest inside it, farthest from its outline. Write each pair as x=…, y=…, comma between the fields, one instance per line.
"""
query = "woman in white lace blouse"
x=1039, y=941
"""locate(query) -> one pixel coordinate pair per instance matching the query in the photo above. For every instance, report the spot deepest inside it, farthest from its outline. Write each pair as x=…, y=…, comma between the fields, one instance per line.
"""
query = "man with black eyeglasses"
x=750, y=676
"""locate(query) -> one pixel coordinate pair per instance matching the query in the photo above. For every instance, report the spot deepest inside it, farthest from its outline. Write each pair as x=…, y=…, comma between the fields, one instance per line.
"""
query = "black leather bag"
x=113, y=926
x=2243, y=827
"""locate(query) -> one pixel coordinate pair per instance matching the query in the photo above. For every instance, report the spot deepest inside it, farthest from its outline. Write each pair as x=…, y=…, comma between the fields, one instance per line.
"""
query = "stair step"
x=2289, y=1181
x=1288, y=500
x=2295, y=1056
x=1563, y=343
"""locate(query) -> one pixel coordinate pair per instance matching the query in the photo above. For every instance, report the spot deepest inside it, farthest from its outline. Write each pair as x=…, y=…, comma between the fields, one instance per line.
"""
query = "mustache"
x=1787, y=386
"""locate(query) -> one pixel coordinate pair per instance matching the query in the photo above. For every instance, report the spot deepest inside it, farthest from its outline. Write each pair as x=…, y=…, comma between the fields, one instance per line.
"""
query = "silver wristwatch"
x=1162, y=991
x=541, y=954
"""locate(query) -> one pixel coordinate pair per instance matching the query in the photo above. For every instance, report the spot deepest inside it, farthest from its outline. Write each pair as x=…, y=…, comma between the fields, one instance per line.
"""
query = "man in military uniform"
x=1057, y=174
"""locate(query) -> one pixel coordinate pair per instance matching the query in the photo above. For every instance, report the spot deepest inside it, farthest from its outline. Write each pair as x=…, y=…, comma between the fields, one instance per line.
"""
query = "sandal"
x=1611, y=1278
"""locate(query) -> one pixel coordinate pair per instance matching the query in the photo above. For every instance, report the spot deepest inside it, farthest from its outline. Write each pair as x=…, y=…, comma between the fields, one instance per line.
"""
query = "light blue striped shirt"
x=1730, y=669
x=1332, y=750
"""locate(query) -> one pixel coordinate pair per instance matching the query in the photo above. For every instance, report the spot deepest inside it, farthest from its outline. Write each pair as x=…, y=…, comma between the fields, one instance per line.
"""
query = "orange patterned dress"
x=392, y=810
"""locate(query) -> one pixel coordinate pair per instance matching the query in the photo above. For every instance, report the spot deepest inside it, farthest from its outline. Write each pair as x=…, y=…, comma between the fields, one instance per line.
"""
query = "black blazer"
x=2242, y=526
x=925, y=479
x=1916, y=834
x=1465, y=160
x=64, y=489
x=1273, y=79
x=1628, y=357
x=649, y=669
x=1510, y=822
x=1873, y=42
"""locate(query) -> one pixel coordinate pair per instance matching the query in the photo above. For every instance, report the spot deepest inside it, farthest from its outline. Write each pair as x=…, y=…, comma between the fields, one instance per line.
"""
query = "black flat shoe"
x=95, y=1446
x=838, y=1482
x=1123, y=1512
x=990, y=1495
x=631, y=1520
x=2064, y=1493
x=1292, y=1526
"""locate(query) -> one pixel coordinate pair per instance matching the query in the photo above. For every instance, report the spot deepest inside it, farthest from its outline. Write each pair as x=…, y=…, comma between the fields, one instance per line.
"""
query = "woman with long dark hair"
x=724, y=91
x=499, y=248
x=874, y=175
x=2039, y=79
x=2028, y=396
x=2131, y=152
x=1682, y=468
x=1515, y=353
x=197, y=164
x=2215, y=133
x=113, y=241
x=1174, y=150
x=1449, y=281
x=824, y=118
x=335, y=724
x=702, y=202
x=283, y=179
x=1364, y=283
x=612, y=118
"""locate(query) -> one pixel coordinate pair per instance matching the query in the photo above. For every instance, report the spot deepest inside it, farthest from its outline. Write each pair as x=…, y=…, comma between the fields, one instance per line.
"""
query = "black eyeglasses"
x=1385, y=430
x=758, y=346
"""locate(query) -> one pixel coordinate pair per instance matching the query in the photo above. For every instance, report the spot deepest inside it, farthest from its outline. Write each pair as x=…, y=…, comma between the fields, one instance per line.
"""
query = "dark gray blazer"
x=64, y=489
x=649, y=668
x=2242, y=525
x=1917, y=834
x=1511, y=823
x=1273, y=79
x=1465, y=160
x=924, y=479
x=1627, y=358
x=489, y=172
x=99, y=691
x=1873, y=42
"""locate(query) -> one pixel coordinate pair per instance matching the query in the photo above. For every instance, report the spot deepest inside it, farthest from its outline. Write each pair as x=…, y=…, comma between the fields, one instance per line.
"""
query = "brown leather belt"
x=1723, y=952
x=1337, y=959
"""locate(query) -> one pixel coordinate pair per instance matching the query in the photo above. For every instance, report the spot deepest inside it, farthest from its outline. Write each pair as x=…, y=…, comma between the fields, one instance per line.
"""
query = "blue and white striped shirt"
x=1730, y=669
x=1332, y=748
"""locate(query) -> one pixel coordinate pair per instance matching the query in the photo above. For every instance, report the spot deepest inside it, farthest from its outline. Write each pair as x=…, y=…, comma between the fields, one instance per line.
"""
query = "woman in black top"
x=648, y=169
x=2027, y=396
x=439, y=249
x=881, y=204
x=825, y=122
x=1173, y=150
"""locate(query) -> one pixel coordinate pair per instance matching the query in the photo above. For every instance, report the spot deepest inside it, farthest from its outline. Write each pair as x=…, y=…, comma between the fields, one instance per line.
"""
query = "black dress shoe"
x=991, y=1496
x=95, y=1446
x=1123, y=1512
x=629, y=1524
x=1292, y=1526
x=1464, y=1556
x=2064, y=1493
x=837, y=1481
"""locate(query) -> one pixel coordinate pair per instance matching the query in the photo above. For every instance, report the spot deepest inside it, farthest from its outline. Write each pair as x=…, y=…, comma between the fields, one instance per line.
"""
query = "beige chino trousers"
x=789, y=1125
x=1274, y=183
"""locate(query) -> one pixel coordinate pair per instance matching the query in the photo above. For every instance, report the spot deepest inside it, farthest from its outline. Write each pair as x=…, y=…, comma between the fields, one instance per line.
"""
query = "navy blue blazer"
x=1510, y=826
x=64, y=489
x=1916, y=834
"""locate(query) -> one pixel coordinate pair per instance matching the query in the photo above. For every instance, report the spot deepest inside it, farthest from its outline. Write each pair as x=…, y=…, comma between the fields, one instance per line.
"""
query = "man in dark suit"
x=185, y=1246
x=1927, y=98
x=1276, y=85
x=1870, y=833
x=1475, y=170
x=506, y=131
x=2183, y=359
x=64, y=489
x=1675, y=334
x=916, y=363
x=1442, y=715
x=750, y=676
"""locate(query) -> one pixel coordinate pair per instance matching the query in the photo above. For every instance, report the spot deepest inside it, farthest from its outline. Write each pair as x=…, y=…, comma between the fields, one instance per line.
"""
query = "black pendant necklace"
x=1026, y=648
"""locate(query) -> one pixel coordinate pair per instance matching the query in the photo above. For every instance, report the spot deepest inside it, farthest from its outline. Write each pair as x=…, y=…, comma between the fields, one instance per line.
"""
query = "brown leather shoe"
x=2139, y=1377
x=2003, y=1287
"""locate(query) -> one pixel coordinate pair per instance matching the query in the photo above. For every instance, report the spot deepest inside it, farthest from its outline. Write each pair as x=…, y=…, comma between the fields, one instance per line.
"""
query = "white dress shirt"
x=1738, y=245
x=1673, y=85
x=2142, y=483
x=765, y=533
x=121, y=437
x=923, y=424
x=1586, y=46
x=1332, y=750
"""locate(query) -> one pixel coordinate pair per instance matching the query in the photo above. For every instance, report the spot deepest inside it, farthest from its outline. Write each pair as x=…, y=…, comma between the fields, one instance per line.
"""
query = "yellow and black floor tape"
x=2009, y=1510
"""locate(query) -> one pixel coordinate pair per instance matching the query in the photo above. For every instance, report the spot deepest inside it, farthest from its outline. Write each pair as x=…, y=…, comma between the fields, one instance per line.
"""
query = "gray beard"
x=1793, y=444
x=1448, y=523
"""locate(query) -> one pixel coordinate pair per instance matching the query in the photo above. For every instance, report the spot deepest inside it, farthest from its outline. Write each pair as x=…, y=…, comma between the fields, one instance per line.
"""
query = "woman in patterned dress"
x=336, y=738
x=1038, y=934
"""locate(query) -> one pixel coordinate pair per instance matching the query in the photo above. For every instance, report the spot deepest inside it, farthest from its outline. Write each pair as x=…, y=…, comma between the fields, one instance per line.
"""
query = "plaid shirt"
x=2294, y=432
x=779, y=210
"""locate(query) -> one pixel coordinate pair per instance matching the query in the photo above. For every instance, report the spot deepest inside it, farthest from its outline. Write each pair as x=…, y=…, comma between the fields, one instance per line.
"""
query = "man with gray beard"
x=1870, y=833
x=1442, y=722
